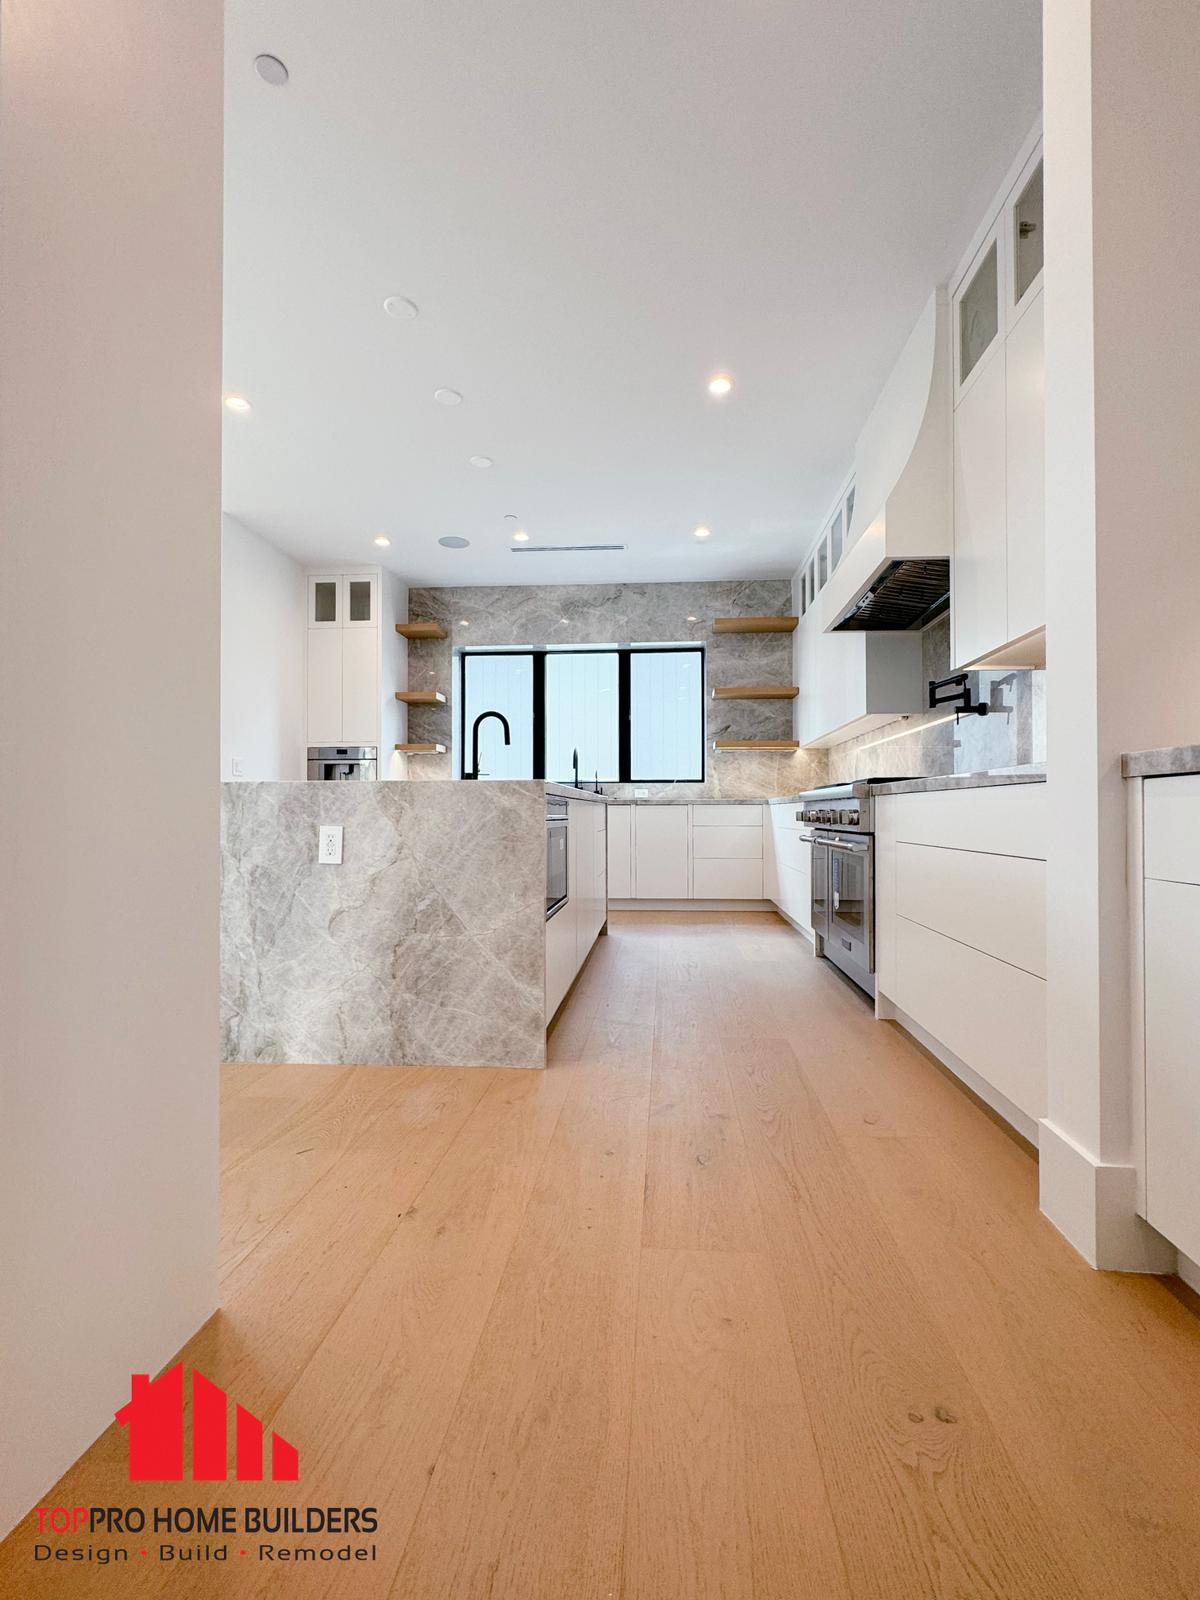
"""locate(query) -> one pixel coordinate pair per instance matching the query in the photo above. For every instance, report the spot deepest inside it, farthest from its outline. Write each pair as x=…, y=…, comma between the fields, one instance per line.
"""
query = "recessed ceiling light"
x=403, y=310
x=482, y=462
x=521, y=536
x=382, y=540
x=452, y=542
x=702, y=533
x=447, y=397
x=271, y=70
x=720, y=384
x=236, y=402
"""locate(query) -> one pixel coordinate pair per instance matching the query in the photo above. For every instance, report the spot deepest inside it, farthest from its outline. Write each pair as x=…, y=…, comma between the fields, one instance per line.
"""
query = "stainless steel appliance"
x=342, y=763
x=841, y=822
x=557, y=881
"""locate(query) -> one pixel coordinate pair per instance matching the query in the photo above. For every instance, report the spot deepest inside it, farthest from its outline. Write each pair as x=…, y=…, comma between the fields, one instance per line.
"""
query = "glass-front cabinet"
x=1028, y=242
x=343, y=600
x=978, y=320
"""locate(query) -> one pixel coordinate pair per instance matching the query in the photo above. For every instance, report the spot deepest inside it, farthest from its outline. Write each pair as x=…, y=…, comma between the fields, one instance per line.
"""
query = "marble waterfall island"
x=425, y=946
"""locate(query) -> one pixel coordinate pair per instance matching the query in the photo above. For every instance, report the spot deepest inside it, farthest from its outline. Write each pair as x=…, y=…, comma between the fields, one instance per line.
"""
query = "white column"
x=110, y=365
x=1122, y=142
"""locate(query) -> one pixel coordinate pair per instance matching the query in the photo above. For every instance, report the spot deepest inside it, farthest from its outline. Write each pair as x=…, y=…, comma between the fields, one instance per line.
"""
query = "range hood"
x=906, y=594
x=895, y=574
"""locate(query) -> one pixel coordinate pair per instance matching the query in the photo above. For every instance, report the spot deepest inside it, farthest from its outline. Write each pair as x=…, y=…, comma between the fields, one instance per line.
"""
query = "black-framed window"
x=635, y=715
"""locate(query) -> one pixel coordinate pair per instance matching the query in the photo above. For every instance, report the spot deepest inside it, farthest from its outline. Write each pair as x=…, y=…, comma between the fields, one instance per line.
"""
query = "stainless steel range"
x=841, y=824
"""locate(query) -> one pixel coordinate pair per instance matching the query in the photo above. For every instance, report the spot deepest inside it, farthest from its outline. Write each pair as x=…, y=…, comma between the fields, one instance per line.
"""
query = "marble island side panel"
x=425, y=946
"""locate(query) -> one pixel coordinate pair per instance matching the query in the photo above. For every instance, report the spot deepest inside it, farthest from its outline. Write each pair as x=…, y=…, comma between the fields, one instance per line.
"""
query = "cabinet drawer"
x=727, y=880
x=990, y=1015
x=1172, y=812
x=1003, y=819
x=996, y=904
x=792, y=849
x=1173, y=1061
x=726, y=816
x=727, y=844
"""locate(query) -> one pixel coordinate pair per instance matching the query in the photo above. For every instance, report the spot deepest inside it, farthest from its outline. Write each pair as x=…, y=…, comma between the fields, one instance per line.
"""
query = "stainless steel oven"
x=558, y=886
x=843, y=903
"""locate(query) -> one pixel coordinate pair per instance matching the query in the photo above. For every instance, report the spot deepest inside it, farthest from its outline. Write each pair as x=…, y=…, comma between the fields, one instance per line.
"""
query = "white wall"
x=1122, y=127
x=110, y=351
x=263, y=599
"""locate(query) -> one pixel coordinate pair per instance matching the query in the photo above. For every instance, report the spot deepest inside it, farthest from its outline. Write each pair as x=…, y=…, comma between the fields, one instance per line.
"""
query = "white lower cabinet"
x=960, y=936
x=735, y=879
x=573, y=929
x=789, y=865
x=1171, y=960
x=685, y=852
x=620, y=852
x=660, y=853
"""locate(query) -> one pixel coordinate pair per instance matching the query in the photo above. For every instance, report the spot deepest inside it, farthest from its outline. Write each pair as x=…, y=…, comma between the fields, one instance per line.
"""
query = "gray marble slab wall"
x=426, y=945
x=1013, y=734
x=621, y=614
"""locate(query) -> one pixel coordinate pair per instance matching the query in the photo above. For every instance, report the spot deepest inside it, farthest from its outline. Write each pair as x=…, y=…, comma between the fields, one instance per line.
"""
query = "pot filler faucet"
x=483, y=717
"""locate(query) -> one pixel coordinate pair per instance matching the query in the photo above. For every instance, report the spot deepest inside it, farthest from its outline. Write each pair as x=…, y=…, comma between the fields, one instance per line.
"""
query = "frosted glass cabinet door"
x=978, y=308
x=360, y=601
x=324, y=601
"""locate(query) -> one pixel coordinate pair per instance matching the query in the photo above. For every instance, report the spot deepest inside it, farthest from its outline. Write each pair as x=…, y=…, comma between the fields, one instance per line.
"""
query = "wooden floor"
x=742, y=1298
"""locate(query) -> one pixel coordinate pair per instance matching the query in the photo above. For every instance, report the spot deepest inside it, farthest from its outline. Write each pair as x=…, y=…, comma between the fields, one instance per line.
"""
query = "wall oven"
x=558, y=885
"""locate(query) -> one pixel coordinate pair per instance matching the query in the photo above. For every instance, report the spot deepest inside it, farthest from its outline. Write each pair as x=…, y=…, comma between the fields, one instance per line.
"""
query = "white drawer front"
x=795, y=895
x=1006, y=819
x=727, y=816
x=792, y=849
x=1172, y=815
x=1173, y=1062
x=727, y=880
x=727, y=844
x=990, y=1015
x=996, y=904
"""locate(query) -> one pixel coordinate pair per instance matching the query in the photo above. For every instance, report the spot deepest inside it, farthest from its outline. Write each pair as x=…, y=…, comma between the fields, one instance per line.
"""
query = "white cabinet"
x=348, y=702
x=998, y=576
x=360, y=685
x=572, y=930
x=324, y=685
x=620, y=852
x=660, y=853
x=960, y=937
x=1171, y=959
x=727, y=879
x=789, y=873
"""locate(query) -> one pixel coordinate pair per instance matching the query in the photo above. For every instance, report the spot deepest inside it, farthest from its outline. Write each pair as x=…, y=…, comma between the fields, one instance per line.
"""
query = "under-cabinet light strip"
x=918, y=727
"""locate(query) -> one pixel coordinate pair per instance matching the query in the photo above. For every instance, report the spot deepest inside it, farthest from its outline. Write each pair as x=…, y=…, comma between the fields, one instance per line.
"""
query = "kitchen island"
x=424, y=945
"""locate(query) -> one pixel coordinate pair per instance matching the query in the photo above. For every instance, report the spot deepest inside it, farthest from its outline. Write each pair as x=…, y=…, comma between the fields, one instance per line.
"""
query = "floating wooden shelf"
x=421, y=697
x=758, y=691
x=422, y=749
x=421, y=630
x=756, y=744
x=755, y=624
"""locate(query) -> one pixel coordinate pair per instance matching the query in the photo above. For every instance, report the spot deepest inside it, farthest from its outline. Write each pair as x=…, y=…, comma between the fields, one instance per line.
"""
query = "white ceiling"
x=595, y=205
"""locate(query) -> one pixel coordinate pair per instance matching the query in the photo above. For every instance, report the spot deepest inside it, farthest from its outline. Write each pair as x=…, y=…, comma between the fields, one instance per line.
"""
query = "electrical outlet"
x=235, y=767
x=329, y=845
x=641, y=794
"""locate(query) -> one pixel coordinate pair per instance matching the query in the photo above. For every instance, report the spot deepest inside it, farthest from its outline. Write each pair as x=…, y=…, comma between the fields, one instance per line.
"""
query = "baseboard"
x=690, y=905
x=1003, y=1107
x=1093, y=1205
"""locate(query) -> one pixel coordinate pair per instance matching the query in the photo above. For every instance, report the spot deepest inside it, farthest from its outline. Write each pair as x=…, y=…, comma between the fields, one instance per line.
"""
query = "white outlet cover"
x=641, y=794
x=235, y=766
x=329, y=845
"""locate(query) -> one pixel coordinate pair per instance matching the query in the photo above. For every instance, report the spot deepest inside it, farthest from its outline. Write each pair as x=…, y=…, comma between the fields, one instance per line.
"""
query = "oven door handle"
x=850, y=849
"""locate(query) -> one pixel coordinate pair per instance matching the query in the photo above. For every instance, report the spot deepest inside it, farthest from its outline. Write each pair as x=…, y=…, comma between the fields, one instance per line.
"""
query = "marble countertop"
x=962, y=780
x=568, y=791
x=1171, y=761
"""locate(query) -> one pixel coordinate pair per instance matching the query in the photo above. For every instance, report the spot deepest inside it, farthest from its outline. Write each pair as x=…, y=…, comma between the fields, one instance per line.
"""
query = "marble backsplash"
x=628, y=613
x=1013, y=734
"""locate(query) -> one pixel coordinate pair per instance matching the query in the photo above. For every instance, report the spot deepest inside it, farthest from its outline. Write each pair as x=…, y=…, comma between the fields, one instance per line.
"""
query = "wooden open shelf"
x=758, y=691
x=421, y=697
x=755, y=624
x=421, y=630
x=756, y=744
x=422, y=749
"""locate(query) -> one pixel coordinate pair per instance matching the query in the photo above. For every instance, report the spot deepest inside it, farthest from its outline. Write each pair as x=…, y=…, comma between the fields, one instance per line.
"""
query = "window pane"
x=501, y=683
x=581, y=714
x=666, y=706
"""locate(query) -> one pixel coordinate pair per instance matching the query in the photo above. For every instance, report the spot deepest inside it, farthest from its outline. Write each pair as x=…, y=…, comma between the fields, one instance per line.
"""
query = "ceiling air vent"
x=545, y=549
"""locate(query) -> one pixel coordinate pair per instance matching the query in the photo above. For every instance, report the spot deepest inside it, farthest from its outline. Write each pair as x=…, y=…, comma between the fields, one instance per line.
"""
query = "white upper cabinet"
x=324, y=600
x=360, y=600
x=998, y=569
x=343, y=663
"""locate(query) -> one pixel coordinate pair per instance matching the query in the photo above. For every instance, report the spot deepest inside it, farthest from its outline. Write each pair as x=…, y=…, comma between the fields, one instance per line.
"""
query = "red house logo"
x=154, y=1417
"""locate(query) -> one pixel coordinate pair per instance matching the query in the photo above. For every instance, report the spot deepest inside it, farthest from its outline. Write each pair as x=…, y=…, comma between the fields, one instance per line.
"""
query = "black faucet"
x=482, y=717
x=575, y=765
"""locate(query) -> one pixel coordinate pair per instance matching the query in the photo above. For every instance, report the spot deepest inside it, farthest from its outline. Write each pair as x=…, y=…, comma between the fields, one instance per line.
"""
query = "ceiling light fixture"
x=237, y=402
x=720, y=384
x=521, y=536
x=271, y=70
x=403, y=310
x=451, y=541
x=702, y=532
x=382, y=540
x=447, y=397
x=482, y=462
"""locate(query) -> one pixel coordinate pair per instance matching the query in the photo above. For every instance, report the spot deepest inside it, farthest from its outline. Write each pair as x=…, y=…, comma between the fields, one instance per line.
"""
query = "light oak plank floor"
x=742, y=1299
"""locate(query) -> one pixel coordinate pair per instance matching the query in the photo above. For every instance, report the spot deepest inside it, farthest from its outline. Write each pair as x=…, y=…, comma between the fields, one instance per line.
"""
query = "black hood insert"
x=905, y=595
